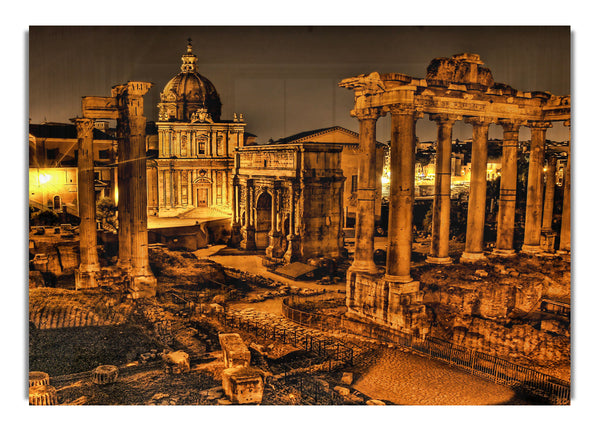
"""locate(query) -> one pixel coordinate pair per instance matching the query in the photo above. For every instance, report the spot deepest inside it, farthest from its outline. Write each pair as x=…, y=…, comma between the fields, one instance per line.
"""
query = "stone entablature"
x=433, y=95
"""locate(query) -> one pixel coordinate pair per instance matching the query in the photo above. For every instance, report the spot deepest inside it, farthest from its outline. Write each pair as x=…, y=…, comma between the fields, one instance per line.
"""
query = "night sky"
x=284, y=79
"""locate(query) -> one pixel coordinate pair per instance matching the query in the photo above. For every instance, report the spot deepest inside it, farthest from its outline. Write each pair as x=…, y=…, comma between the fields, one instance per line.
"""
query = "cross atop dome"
x=189, y=61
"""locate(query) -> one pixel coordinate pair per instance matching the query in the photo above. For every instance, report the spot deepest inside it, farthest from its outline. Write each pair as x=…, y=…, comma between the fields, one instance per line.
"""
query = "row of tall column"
x=174, y=184
x=402, y=155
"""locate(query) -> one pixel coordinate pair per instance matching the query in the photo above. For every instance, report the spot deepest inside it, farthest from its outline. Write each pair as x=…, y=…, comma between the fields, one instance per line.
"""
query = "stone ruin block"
x=243, y=385
x=235, y=352
x=105, y=374
x=178, y=362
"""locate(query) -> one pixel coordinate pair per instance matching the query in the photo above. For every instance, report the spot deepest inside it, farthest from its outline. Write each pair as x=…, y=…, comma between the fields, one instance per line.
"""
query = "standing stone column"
x=402, y=191
x=144, y=282
x=124, y=174
x=565, y=226
x=535, y=184
x=89, y=265
x=440, y=224
x=508, y=189
x=248, y=241
x=548, y=236
x=367, y=184
x=549, y=195
x=477, y=191
x=292, y=252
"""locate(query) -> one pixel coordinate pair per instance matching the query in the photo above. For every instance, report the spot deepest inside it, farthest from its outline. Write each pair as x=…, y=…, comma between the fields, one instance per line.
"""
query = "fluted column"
x=292, y=252
x=402, y=191
x=565, y=226
x=508, y=189
x=89, y=264
x=248, y=240
x=535, y=184
x=124, y=174
x=367, y=183
x=440, y=224
x=477, y=191
x=139, y=240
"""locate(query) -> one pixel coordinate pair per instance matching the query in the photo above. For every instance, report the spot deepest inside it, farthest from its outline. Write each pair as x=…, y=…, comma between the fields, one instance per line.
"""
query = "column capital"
x=402, y=109
x=445, y=119
x=479, y=121
x=511, y=125
x=84, y=125
x=367, y=113
x=543, y=125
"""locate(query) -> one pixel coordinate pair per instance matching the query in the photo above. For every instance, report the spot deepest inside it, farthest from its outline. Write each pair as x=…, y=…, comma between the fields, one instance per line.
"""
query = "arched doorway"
x=263, y=220
x=56, y=202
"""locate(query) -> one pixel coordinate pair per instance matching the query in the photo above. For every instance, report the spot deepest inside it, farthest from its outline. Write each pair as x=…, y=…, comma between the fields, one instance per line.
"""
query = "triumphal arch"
x=288, y=200
x=459, y=88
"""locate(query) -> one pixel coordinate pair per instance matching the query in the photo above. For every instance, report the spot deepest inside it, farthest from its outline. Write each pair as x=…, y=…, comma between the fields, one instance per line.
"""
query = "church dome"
x=189, y=92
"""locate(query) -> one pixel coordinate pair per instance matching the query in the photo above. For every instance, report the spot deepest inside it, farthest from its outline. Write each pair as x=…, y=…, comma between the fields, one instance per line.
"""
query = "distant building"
x=194, y=156
x=53, y=166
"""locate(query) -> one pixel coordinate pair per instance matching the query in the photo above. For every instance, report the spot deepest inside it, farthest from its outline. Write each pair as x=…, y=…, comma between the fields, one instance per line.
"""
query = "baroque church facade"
x=193, y=169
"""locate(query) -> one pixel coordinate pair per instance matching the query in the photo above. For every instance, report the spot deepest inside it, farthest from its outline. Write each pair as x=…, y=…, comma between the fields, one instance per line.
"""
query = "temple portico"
x=455, y=89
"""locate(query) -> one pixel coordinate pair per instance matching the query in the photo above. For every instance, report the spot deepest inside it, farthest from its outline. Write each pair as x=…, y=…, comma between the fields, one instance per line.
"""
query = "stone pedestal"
x=472, y=257
x=548, y=241
x=387, y=301
x=274, y=250
x=243, y=385
x=439, y=260
x=86, y=279
x=235, y=352
x=292, y=253
x=248, y=242
x=236, y=235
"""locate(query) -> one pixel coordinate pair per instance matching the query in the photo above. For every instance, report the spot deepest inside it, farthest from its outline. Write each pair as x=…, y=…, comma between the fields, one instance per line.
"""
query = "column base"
x=292, y=254
x=248, y=242
x=468, y=257
x=143, y=286
x=86, y=278
x=236, y=236
x=504, y=253
x=364, y=266
x=564, y=252
x=439, y=260
x=531, y=249
x=401, y=279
